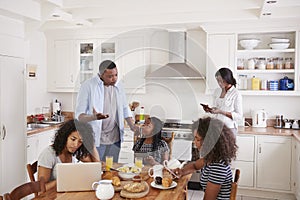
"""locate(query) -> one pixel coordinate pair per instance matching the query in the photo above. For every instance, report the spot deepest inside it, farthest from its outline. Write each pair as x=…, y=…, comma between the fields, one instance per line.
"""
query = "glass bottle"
x=142, y=115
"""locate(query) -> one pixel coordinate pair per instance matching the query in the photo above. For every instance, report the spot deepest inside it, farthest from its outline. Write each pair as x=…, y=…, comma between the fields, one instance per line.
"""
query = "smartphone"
x=205, y=106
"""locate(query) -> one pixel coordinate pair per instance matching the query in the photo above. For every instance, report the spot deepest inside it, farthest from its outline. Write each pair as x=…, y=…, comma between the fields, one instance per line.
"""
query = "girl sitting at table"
x=217, y=146
x=73, y=143
x=150, y=146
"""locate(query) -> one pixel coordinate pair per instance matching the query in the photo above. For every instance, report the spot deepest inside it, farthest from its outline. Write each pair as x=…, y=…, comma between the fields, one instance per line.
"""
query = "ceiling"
x=66, y=14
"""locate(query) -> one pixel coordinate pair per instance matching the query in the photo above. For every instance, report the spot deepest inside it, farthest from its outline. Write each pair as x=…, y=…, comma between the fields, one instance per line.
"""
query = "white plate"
x=153, y=184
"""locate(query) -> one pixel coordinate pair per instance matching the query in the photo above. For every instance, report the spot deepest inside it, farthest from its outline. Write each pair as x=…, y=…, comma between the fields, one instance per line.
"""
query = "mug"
x=156, y=171
x=172, y=164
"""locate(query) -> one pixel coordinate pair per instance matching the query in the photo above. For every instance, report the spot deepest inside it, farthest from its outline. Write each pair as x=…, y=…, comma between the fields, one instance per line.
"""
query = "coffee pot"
x=259, y=118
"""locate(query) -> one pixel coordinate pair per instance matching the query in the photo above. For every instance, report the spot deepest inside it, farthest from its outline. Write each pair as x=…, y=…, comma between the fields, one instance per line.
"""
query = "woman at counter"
x=73, y=143
x=227, y=100
x=217, y=146
x=150, y=145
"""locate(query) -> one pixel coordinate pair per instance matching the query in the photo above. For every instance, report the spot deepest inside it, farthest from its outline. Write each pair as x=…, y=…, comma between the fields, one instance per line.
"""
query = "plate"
x=153, y=184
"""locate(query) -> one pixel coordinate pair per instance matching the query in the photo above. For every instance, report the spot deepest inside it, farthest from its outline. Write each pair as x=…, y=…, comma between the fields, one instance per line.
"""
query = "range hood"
x=177, y=68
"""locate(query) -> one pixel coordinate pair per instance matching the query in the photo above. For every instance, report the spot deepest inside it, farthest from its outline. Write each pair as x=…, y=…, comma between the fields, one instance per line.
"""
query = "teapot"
x=173, y=164
x=104, y=189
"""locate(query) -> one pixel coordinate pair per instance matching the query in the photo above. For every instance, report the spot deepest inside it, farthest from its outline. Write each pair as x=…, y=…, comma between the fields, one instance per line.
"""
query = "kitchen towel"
x=182, y=149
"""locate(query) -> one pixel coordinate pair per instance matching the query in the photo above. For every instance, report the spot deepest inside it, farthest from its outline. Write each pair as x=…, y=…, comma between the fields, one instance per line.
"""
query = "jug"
x=259, y=118
x=173, y=164
x=104, y=189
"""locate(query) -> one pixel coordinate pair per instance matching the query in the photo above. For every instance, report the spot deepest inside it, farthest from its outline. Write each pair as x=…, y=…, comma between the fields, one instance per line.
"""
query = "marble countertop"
x=270, y=131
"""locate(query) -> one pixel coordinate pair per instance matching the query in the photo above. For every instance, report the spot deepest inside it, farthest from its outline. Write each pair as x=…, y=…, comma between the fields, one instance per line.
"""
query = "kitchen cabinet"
x=220, y=52
x=245, y=160
x=131, y=62
x=61, y=60
x=126, y=153
x=87, y=51
x=272, y=61
x=297, y=168
x=12, y=123
x=274, y=162
x=36, y=143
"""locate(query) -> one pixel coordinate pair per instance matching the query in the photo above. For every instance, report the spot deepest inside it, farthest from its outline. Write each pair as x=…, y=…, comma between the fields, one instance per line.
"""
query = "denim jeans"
x=109, y=150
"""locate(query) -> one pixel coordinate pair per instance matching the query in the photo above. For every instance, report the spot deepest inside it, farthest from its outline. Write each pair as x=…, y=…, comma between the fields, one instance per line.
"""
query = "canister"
x=255, y=83
x=264, y=85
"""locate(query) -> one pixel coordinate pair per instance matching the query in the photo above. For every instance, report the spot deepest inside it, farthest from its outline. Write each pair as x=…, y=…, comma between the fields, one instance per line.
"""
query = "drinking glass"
x=138, y=162
x=108, y=162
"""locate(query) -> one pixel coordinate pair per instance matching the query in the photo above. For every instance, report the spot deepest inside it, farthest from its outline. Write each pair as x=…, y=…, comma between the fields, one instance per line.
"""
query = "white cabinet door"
x=12, y=123
x=220, y=51
x=274, y=162
x=131, y=62
x=45, y=138
x=297, y=169
x=32, y=145
x=245, y=159
x=126, y=153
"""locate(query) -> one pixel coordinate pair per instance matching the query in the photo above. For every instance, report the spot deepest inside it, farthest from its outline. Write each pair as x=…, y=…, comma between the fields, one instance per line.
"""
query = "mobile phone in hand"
x=206, y=107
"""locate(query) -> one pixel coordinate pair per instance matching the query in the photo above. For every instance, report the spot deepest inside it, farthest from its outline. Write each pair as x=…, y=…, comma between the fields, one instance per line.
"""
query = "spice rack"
x=264, y=63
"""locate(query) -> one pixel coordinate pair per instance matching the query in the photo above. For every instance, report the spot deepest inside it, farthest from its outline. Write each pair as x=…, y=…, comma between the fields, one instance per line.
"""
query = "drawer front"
x=247, y=173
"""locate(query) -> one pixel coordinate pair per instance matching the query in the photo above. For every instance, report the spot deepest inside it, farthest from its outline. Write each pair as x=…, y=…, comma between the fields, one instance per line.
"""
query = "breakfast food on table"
x=107, y=175
x=135, y=187
x=158, y=180
x=128, y=169
x=116, y=181
x=167, y=181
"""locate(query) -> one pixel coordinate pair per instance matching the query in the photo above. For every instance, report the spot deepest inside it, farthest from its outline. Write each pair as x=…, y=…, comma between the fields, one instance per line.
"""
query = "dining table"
x=177, y=193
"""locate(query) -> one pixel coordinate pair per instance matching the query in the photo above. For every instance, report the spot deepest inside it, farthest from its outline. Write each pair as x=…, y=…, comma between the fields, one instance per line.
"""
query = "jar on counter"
x=270, y=63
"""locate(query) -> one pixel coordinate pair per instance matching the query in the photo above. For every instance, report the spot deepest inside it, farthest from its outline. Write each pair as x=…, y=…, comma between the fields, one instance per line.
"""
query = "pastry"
x=134, y=187
x=166, y=182
x=107, y=175
x=116, y=181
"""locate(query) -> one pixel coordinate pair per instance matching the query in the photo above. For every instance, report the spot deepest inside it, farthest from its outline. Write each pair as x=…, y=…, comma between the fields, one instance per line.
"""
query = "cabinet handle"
x=72, y=78
x=4, y=132
x=259, y=149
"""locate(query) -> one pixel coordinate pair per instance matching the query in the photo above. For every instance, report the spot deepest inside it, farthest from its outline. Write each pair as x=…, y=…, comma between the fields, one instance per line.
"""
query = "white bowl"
x=249, y=44
x=127, y=173
x=279, y=45
x=276, y=40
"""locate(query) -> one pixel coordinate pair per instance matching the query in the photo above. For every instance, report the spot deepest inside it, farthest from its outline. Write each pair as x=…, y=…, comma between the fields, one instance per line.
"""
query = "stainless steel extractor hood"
x=177, y=68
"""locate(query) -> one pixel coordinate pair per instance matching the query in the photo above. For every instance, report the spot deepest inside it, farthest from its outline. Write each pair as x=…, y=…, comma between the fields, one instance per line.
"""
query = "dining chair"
x=234, y=185
x=32, y=169
x=25, y=190
x=1, y=197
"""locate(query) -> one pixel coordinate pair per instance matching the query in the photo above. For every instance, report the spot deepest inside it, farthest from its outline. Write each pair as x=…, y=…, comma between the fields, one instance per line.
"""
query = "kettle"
x=259, y=118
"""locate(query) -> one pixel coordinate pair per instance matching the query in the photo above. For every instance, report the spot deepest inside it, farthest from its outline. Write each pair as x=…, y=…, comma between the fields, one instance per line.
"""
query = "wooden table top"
x=178, y=193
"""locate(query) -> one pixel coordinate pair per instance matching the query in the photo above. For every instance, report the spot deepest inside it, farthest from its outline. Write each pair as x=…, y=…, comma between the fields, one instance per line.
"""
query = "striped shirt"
x=218, y=173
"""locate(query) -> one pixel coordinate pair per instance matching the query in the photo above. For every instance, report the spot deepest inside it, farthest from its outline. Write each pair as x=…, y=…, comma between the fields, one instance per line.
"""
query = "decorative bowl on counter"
x=280, y=45
x=249, y=44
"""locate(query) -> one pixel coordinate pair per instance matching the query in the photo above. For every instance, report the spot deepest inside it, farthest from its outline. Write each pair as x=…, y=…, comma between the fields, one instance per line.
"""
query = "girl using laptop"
x=73, y=143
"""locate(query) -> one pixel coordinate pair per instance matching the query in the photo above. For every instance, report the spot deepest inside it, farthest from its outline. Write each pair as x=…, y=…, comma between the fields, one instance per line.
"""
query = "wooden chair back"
x=25, y=190
x=1, y=197
x=32, y=169
x=234, y=185
x=169, y=141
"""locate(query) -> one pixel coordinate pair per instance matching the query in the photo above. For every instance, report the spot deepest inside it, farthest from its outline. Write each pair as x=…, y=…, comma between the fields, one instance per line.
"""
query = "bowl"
x=128, y=172
x=276, y=40
x=249, y=44
x=279, y=45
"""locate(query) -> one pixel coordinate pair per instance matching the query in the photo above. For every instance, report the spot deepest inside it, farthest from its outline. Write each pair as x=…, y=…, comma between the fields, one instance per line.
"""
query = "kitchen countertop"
x=270, y=131
x=38, y=130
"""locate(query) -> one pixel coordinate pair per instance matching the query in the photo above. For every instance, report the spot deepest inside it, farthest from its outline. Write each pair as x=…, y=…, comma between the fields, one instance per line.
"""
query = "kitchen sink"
x=33, y=126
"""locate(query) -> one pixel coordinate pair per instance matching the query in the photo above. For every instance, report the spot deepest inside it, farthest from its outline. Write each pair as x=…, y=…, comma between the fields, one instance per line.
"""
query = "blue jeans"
x=109, y=150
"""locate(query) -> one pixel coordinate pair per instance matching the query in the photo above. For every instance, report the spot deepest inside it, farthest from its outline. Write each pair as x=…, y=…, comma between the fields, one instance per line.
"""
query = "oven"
x=183, y=148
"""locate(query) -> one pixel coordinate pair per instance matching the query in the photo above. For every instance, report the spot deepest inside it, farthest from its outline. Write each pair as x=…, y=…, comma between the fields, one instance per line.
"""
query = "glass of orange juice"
x=108, y=162
x=138, y=162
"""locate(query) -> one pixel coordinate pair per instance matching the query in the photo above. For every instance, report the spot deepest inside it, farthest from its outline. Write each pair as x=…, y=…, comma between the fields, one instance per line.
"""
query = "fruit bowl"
x=281, y=45
x=249, y=44
x=128, y=172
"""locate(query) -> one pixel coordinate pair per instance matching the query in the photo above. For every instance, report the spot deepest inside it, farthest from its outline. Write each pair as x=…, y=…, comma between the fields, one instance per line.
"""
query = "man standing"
x=101, y=101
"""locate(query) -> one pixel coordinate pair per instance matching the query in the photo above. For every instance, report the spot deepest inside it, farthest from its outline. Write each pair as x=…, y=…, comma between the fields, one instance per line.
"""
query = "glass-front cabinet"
x=269, y=66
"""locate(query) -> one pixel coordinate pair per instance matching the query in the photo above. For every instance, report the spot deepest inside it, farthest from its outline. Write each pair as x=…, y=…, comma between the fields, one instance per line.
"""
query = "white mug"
x=156, y=171
x=172, y=164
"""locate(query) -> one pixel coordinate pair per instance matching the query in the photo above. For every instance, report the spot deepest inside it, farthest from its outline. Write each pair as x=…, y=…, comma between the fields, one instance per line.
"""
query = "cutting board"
x=132, y=195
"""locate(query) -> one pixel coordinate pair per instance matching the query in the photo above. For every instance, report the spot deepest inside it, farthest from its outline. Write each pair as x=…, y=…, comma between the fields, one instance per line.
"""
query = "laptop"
x=77, y=176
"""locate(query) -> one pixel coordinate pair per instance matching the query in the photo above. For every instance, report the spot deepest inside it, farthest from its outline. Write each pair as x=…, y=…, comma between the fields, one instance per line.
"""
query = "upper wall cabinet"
x=220, y=52
x=60, y=70
x=268, y=67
